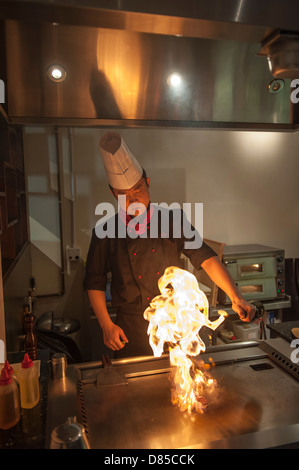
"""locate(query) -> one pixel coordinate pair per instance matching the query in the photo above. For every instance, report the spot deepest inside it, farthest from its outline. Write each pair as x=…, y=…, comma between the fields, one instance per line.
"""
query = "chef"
x=136, y=260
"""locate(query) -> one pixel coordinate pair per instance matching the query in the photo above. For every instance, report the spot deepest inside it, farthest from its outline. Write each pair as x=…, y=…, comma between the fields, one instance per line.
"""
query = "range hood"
x=134, y=63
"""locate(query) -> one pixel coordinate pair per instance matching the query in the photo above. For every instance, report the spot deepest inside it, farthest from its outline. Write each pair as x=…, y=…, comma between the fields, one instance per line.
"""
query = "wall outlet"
x=73, y=254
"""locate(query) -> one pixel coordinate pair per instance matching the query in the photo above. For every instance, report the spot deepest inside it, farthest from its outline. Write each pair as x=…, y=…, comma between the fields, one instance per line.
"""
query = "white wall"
x=247, y=181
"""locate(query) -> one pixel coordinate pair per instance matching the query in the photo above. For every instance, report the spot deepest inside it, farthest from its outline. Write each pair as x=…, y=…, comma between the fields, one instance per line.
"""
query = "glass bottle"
x=30, y=338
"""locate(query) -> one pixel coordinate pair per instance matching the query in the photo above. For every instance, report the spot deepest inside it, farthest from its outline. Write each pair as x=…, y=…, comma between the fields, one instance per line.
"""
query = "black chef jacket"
x=136, y=264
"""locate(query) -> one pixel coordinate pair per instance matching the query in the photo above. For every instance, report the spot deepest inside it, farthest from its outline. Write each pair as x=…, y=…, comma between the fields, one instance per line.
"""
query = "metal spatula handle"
x=106, y=361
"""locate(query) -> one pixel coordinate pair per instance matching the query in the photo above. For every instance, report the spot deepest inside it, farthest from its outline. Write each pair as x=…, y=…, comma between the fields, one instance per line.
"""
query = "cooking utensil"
x=69, y=435
x=108, y=375
x=59, y=363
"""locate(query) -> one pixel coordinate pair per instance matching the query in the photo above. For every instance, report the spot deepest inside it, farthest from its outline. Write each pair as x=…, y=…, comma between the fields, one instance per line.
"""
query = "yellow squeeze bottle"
x=29, y=384
x=9, y=401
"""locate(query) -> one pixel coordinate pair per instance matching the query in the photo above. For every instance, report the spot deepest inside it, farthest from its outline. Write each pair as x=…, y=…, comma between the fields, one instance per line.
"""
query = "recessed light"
x=174, y=80
x=56, y=73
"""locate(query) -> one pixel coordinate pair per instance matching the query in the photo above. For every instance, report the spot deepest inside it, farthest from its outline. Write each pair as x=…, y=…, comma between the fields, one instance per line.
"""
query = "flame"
x=175, y=317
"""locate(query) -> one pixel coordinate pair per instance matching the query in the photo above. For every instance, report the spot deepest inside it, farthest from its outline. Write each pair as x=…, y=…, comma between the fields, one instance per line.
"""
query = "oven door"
x=251, y=268
x=256, y=289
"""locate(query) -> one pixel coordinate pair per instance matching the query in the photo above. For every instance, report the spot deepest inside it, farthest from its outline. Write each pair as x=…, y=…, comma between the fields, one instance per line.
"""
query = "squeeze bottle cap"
x=5, y=378
x=8, y=367
x=27, y=362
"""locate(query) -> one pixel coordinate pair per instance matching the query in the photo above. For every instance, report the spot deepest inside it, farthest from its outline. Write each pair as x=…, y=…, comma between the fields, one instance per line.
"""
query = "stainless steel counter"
x=256, y=404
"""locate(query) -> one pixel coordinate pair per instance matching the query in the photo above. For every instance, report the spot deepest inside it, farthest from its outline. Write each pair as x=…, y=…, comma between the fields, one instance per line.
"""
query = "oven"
x=258, y=271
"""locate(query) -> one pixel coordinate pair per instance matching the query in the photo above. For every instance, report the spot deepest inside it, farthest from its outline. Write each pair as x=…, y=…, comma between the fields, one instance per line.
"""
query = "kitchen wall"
x=247, y=182
x=16, y=287
x=51, y=200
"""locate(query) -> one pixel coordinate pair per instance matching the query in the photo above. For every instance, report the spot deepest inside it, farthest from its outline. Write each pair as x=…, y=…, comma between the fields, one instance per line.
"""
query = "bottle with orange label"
x=29, y=384
x=9, y=401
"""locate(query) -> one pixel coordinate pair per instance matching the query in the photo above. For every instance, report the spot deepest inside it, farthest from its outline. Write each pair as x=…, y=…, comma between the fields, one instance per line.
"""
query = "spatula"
x=108, y=375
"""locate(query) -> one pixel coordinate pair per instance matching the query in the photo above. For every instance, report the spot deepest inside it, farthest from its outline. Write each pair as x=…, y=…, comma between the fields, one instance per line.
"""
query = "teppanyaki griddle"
x=255, y=397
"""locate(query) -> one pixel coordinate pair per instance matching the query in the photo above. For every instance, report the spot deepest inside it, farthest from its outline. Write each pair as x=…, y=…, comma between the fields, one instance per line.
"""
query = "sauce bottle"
x=11, y=372
x=30, y=338
x=9, y=401
x=9, y=368
x=29, y=384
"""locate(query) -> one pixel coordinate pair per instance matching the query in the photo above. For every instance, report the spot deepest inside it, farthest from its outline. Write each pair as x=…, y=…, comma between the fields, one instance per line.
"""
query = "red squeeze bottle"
x=8, y=367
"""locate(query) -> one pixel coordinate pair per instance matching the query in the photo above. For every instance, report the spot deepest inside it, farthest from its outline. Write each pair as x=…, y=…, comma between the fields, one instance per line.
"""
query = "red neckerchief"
x=141, y=226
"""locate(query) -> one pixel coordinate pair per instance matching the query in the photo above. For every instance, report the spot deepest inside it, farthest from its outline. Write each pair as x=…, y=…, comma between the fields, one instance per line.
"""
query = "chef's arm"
x=113, y=335
x=222, y=278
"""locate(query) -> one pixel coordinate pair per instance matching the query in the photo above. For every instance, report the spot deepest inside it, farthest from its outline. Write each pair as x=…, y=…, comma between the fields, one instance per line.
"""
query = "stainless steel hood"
x=119, y=57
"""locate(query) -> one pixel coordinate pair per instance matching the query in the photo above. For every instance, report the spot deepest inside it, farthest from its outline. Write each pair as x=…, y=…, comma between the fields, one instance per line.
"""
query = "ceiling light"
x=56, y=73
x=174, y=80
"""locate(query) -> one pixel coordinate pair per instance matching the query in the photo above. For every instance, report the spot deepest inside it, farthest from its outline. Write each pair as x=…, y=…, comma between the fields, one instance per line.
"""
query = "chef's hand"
x=244, y=309
x=114, y=337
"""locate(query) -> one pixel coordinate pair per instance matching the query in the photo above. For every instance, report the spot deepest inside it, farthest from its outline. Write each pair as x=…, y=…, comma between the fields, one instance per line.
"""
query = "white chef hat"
x=122, y=169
